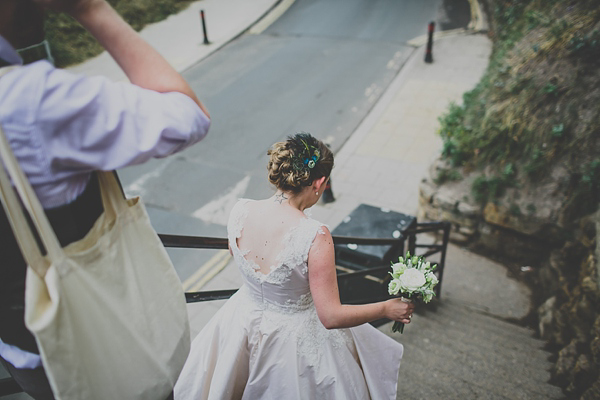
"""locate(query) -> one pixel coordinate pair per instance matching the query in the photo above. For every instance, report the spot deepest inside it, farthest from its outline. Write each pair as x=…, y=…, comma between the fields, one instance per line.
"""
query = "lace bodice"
x=283, y=294
x=286, y=283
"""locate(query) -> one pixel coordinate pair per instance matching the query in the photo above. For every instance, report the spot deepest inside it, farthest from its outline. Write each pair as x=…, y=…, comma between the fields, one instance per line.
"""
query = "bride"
x=285, y=334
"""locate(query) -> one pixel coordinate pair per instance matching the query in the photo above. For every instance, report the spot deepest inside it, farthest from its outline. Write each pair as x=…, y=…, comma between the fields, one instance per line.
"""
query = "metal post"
x=428, y=56
x=328, y=193
x=442, y=264
x=204, y=27
x=412, y=239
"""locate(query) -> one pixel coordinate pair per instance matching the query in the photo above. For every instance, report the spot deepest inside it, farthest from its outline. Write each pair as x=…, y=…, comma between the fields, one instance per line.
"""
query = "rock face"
x=524, y=224
x=520, y=176
x=562, y=253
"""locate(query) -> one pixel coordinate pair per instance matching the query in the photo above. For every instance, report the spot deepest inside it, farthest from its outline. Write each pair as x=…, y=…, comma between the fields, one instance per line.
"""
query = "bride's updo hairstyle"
x=297, y=162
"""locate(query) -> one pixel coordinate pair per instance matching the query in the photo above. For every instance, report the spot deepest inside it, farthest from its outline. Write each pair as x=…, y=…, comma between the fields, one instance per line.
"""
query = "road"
x=319, y=68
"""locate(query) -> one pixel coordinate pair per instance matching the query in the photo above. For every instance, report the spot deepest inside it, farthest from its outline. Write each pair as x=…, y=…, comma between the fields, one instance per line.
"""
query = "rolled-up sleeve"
x=91, y=123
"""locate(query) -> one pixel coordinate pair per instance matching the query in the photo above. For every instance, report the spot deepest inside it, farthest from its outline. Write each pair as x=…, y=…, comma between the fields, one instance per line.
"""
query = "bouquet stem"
x=398, y=327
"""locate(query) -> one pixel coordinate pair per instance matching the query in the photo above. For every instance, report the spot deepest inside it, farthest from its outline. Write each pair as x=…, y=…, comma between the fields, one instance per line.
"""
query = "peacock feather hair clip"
x=307, y=156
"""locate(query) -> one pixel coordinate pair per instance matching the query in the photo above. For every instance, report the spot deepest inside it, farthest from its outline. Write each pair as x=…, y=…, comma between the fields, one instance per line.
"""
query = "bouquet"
x=412, y=278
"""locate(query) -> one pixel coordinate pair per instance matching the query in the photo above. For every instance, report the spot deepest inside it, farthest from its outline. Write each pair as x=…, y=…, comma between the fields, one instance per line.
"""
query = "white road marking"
x=217, y=211
x=136, y=188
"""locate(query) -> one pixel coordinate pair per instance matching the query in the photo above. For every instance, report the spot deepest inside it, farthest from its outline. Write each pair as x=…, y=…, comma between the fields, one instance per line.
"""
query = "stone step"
x=463, y=321
x=531, y=361
x=486, y=369
x=458, y=352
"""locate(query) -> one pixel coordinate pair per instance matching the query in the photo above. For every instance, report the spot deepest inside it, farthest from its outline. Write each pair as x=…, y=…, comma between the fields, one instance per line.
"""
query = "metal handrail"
x=9, y=386
x=203, y=242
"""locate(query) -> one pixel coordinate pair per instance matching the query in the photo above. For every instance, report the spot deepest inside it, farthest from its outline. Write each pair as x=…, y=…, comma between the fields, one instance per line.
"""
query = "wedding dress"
x=267, y=341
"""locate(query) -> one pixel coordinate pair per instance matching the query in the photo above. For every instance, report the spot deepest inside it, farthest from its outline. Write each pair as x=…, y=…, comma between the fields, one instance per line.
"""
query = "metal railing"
x=199, y=242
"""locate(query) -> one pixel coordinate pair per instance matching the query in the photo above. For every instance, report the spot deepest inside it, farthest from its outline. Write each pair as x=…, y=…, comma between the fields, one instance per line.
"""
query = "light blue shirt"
x=62, y=127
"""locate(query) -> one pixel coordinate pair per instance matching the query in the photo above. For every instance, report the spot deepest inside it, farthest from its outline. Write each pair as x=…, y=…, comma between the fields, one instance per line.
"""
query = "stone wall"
x=523, y=225
x=561, y=255
x=569, y=317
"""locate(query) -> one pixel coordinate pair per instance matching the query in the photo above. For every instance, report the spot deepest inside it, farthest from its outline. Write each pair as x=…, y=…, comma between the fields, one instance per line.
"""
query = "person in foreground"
x=63, y=127
x=285, y=334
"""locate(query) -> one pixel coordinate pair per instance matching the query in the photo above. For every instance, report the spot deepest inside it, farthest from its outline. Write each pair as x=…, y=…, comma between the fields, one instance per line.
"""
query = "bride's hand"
x=398, y=310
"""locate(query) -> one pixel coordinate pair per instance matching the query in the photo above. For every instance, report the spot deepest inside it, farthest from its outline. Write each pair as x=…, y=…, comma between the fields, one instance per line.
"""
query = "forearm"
x=346, y=315
x=142, y=64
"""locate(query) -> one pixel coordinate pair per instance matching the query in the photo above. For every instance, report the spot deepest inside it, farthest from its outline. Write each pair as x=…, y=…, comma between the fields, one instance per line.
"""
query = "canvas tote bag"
x=108, y=312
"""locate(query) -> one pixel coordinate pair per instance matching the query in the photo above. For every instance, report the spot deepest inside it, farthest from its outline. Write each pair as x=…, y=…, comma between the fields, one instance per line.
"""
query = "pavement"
x=466, y=346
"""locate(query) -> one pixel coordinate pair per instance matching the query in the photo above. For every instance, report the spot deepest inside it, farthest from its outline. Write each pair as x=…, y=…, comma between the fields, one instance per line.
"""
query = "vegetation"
x=537, y=105
x=71, y=44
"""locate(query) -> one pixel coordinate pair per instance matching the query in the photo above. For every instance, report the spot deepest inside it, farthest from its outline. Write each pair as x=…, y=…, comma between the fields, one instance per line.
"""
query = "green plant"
x=585, y=47
x=535, y=163
x=446, y=175
x=531, y=209
x=508, y=14
x=491, y=188
x=519, y=83
x=479, y=189
x=558, y=130
x=508, y=172
x=586, y=194
x=486, y=189
x=559, y=28
x=550, y=88
x=535, y=18
x=453, y=133
x=591, y=175
x=514, y=209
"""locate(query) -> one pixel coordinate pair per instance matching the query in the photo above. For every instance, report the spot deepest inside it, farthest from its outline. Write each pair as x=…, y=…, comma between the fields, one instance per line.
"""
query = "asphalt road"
x=319, y=68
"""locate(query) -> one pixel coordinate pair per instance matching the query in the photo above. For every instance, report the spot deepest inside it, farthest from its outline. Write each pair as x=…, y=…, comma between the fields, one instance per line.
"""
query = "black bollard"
x=204, y=27
x=428, y=56
x=328, y=194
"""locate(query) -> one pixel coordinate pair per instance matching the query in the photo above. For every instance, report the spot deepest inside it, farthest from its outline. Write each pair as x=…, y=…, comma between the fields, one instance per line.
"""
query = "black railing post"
x=412, y=240
x=9, y=386
x=204, y=27
x=445, y=240
x=328, y=193
x=428, y=55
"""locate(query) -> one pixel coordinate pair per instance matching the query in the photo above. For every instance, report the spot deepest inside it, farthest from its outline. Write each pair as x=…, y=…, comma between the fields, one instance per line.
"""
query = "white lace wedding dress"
x=267, y=342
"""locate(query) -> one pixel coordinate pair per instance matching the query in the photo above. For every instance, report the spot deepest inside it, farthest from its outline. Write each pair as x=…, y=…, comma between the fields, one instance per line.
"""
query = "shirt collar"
x=8, y=53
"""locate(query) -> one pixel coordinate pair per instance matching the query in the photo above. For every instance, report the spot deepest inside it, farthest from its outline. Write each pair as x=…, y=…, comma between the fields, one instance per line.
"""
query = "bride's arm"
x=324, y=289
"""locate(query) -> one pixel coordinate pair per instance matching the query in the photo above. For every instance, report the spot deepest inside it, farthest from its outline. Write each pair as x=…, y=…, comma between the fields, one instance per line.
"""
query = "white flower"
x=398, y=269
x=412, y=279
x=427, y=296
x=394, y=287
x=430, y=277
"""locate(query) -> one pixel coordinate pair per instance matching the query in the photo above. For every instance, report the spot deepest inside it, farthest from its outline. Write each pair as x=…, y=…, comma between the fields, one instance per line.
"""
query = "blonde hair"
x=284, y=157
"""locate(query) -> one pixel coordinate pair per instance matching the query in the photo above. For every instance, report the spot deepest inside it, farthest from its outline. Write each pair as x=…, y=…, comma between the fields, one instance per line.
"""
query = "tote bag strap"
x=113, y=199
x=20, y=226
x=12, y=206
